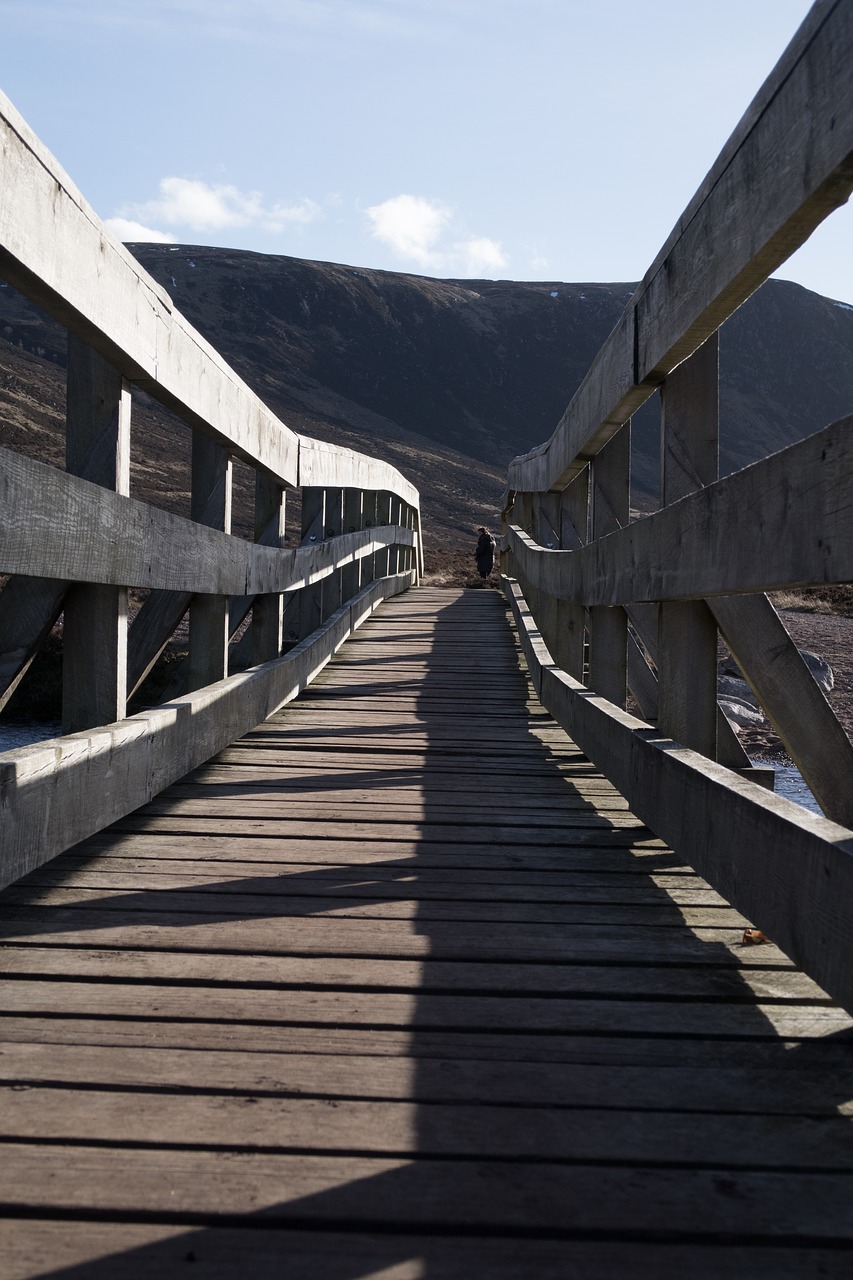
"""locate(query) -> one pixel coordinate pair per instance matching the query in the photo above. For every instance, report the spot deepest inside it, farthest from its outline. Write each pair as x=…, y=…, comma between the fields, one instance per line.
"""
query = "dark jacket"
x=485, y=554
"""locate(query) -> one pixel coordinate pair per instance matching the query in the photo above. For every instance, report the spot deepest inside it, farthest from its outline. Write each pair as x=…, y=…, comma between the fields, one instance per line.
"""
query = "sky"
x=553, y=140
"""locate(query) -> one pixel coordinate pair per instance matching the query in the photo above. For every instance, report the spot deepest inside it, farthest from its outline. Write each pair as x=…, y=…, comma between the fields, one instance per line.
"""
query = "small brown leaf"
x=753, y=938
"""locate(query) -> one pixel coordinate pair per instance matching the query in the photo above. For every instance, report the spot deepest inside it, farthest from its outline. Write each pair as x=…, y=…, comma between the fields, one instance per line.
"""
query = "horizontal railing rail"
x=610, y=606
x=75, y=543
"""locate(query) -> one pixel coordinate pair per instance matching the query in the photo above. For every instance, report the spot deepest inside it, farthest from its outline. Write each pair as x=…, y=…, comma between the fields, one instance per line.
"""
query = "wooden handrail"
x=606, y=604
x=783, y=171
x=75, y=542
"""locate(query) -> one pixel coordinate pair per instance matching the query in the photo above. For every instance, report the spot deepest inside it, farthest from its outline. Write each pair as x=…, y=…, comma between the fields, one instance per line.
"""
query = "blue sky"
x=521, y=139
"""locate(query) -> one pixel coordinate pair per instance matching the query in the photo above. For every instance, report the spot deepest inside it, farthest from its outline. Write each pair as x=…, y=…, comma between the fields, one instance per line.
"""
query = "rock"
x=730, y=679
x=820, y=669
x=736, y=691
x=741, y=715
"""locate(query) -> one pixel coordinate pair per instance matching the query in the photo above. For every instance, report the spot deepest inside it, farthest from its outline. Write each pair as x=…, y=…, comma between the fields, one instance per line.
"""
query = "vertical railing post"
x=608, y=626
x=395, y=509
x=94, y=650
x=368, y=516
x=524, y=517
x=418, y=550
x=574, y=532
x=408, y=554
x=333, y=519
x=548, y=537
x=687, y=631
x=311, y=595
x=353, y=517
x=210, y=505
x=267, y=610
x=383, y=517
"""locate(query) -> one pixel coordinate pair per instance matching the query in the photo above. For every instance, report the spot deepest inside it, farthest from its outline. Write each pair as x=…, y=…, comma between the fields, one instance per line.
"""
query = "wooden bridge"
x=407, y=949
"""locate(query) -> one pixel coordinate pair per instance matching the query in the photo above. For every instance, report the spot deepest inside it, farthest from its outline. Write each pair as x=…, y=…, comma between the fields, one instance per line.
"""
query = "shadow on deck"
x=397, y=986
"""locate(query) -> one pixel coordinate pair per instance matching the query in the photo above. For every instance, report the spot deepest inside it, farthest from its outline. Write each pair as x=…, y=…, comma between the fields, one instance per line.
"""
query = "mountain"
x=447, y=379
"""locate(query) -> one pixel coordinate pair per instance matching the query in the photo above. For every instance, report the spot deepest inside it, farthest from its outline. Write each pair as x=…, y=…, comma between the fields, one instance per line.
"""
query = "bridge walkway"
x=397, y=986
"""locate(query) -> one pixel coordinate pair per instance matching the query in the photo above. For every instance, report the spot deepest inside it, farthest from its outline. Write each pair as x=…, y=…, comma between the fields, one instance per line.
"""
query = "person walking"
x=485, y=553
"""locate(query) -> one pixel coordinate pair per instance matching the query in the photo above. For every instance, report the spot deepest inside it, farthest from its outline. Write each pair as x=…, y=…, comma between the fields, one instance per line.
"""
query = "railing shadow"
x=526, y=1102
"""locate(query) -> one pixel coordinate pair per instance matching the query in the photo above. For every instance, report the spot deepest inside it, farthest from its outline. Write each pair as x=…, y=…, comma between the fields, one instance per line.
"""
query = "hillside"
x=447, y=379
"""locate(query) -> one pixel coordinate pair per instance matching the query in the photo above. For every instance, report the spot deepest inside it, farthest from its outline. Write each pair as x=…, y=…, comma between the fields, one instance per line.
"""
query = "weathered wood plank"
x=57, y=252
x=482, y=1046
x=212, y=475
x=388, y=1128
x=725, y=981
x=687, y=632
x=423, y=1011
x=730, y=537
x=752, y=1206
x=784, y=1089
x=222, y=1253
x=323, y=465
x=253, y=882
x=86, y=534
x=253, y=898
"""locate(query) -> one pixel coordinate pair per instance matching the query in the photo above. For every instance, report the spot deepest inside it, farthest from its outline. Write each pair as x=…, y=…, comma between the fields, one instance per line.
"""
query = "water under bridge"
x=416, y=945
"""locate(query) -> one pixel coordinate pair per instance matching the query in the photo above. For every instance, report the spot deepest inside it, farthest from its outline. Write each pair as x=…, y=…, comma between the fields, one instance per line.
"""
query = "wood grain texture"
x=784, y=521
x=361, y=982
x=86, y=534
x=57, y=252
x=687, y=632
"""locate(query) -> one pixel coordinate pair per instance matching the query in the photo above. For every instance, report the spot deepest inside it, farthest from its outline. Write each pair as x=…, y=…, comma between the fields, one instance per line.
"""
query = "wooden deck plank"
x=219, y=1253
x=783, y=1089
x=776, y=980
x=391, y=1193
x=397, y=980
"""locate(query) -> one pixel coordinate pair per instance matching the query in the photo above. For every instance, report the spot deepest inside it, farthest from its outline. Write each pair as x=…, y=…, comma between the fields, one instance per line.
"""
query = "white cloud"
x=482, y=256
x=202, y=206
x=417, y=230
x=131, y=232
x=411, y=226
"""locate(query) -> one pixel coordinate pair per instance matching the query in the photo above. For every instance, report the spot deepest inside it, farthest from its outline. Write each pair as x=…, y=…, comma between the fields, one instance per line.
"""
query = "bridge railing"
x=607, y=603
x=73, y=542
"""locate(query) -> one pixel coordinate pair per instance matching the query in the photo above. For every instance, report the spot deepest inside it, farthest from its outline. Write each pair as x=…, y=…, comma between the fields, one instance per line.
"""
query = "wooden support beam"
x=267, y=610
x=94, y=642
x=311, y=595
x=395, y=518
x=782, y=522
x=29, y=607
x=687, y=646
x=608, y=626
x=333, y=524
x=383, y=517
x=574, y=532
x=210, y=505
x=368, y=516
x=791, y=698
x=353, y=521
